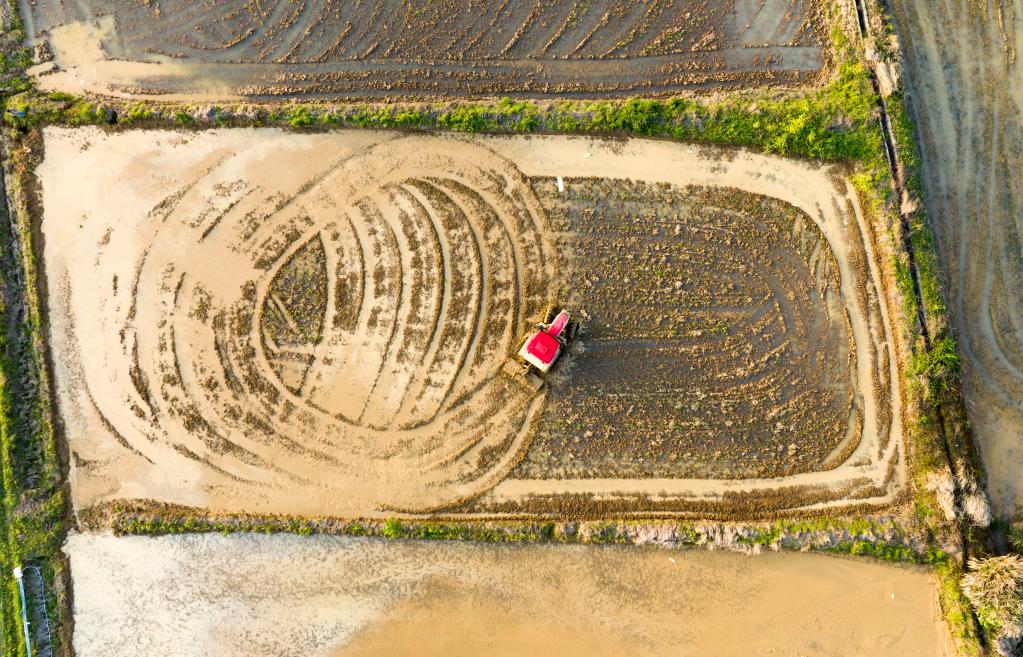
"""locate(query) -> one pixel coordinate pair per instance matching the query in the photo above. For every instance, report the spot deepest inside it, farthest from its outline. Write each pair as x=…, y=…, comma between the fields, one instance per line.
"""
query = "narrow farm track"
x=966, y=92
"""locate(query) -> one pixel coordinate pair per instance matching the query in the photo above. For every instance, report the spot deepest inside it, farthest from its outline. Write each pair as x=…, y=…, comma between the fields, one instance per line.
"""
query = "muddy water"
x=966, y=87
x=339, y=597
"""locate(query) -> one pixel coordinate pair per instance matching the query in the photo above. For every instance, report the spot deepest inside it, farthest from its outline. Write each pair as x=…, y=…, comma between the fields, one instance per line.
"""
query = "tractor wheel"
x=573, y=330
x=549, y=314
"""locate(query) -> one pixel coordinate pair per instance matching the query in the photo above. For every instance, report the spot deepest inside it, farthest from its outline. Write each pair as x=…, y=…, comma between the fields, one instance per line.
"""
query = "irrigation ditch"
x=906, y=212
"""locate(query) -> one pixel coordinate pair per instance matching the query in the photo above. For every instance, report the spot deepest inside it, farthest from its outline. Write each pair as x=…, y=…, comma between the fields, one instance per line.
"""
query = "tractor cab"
x=544, y=346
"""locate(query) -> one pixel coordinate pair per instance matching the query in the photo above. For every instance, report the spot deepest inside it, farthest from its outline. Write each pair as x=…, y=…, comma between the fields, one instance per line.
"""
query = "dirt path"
x=335, y=597
x=326, y=48
x=967, y=94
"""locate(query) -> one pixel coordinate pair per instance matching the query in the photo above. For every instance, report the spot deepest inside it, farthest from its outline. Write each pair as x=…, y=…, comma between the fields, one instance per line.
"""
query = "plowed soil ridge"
x=383, y=48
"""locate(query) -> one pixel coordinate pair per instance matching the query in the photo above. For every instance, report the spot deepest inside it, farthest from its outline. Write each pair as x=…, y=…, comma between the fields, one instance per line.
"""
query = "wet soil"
x=319, y=324
x=319, y=596
x=386, y=49
x=714, y=339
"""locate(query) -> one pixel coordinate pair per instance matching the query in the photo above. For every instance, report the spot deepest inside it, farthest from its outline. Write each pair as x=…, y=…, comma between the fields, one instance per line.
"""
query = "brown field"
x=321, y=596
x=715, y=337
x=383, y=48
x=317, y=324
x=967, y=94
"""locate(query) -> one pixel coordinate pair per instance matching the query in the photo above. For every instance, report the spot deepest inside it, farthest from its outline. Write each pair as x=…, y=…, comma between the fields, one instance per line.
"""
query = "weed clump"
x=995, y=588
x=942, y=485
x=937, y=366
x=1015, y=537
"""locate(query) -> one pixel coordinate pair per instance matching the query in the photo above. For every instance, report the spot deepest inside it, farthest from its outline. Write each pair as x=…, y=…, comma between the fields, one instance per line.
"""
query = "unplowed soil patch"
x=382, y=48
x=318, y=324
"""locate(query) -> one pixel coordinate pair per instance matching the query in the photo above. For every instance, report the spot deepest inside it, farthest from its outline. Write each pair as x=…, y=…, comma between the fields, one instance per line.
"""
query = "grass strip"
x=33, y=510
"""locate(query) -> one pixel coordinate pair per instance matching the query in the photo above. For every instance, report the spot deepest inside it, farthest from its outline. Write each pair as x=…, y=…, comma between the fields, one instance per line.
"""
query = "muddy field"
x=335, y=597
x=318, y=324
x=967, y=93
x=715, y=344
x=383, y=48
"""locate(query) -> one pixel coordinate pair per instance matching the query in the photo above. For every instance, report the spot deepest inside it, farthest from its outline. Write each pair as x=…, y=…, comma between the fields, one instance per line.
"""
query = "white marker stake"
x=24, y=614
x=561, y=185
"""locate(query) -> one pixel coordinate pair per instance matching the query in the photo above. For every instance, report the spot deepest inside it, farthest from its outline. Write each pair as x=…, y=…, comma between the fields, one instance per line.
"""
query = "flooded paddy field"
x=388, y=49
x=966, y=90
x=318, y=324
x=280, y=595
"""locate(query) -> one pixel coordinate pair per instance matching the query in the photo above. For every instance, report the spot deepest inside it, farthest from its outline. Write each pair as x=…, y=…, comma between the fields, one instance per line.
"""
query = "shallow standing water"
x=282, y=595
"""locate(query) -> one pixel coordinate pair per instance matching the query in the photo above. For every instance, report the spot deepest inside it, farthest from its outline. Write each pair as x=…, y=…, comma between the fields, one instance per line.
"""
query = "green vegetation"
x=938, y=366
x=158, y=526
x=883, y=540
x=531, y=533
x=1014, y=537
x=12, y=63
x=957, y=610
x=921, y=237
x=137, y=112
x=392, y=528
x=300, y=117
x=15, y=57
x=32, y=510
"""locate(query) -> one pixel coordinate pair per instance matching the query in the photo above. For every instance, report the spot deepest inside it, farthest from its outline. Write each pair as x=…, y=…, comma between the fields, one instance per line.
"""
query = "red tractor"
x=545, y=345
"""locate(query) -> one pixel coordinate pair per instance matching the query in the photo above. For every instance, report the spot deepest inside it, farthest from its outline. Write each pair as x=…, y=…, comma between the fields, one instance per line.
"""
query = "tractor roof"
x=544, y=347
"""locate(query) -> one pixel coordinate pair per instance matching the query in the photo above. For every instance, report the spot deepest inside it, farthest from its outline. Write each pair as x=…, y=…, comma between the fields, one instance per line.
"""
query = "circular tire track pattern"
x=353, y=336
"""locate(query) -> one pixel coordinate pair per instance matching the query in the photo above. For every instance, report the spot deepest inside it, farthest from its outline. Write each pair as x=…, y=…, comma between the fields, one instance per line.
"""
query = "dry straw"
x=995, y=587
